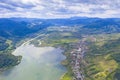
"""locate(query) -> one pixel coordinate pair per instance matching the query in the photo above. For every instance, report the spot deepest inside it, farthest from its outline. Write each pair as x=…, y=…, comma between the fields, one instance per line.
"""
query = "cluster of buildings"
x=77, y=55
x=61, y=28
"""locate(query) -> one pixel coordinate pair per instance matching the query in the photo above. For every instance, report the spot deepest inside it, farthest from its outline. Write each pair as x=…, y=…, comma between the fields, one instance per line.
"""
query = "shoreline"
x=28, y=42
x=62, y=76
x=25, y=41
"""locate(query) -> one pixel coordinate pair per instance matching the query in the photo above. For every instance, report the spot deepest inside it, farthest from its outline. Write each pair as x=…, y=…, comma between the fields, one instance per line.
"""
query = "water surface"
x=38, y=63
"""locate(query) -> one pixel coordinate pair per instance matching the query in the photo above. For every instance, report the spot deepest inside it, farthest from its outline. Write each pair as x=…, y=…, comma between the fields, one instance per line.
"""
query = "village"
x=77, y=55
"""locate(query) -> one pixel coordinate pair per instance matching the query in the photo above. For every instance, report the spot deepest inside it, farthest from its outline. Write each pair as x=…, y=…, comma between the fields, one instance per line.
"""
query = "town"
x=77, y=55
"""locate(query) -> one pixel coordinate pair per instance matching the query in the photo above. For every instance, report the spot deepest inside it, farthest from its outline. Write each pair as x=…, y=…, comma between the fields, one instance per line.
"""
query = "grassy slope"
x=102, y=61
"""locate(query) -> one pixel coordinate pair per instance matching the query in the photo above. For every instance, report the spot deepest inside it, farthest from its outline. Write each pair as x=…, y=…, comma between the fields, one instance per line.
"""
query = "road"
x=33, y=39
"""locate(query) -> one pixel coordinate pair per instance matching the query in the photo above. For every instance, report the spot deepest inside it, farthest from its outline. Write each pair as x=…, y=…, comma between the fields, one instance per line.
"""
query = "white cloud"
x=34, y=2
x=37, y=8
x=59, y=8
x=79, y=8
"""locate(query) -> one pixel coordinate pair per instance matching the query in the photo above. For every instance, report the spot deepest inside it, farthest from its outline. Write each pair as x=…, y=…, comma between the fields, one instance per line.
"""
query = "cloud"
x=59, y=8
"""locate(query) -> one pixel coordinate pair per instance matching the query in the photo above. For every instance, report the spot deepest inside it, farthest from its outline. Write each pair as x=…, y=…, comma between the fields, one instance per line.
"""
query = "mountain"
x=20, y=27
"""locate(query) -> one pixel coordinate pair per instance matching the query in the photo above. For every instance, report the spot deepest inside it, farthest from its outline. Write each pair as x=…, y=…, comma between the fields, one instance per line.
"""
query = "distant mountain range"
x=20, y=27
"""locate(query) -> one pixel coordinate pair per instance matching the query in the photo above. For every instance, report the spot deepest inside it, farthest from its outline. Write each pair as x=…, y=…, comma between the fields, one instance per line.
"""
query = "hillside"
x=19, y=27
x=7, y=60
x=102, y=62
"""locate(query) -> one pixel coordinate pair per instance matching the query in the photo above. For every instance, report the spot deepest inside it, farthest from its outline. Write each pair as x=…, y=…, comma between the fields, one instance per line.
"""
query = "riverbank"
x=66, y=76
x=44, y=62
x=75, y=61
x=65, y=44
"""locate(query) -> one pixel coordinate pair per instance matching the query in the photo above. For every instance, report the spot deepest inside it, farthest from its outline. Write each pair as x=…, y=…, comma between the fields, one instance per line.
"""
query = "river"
x=38, y=63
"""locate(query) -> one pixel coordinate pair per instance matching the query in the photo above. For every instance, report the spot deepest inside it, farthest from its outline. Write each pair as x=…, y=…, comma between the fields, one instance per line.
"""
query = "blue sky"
x=59, y=8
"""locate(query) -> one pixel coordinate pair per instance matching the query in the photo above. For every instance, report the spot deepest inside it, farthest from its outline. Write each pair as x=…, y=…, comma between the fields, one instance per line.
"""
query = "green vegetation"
x=103, y=61
x=58, y=38
x=7, y=60
x=3, y=44
x=66, y=76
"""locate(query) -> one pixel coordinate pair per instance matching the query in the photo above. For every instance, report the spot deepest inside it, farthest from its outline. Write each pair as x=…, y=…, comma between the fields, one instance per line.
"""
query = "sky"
x=59, y=8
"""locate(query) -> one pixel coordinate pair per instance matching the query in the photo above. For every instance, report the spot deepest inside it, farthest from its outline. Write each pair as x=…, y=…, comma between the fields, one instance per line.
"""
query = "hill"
x=103, y=61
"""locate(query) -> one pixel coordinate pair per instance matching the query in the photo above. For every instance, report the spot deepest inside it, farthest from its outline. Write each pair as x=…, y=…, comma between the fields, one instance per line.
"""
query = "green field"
x=102, y=59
